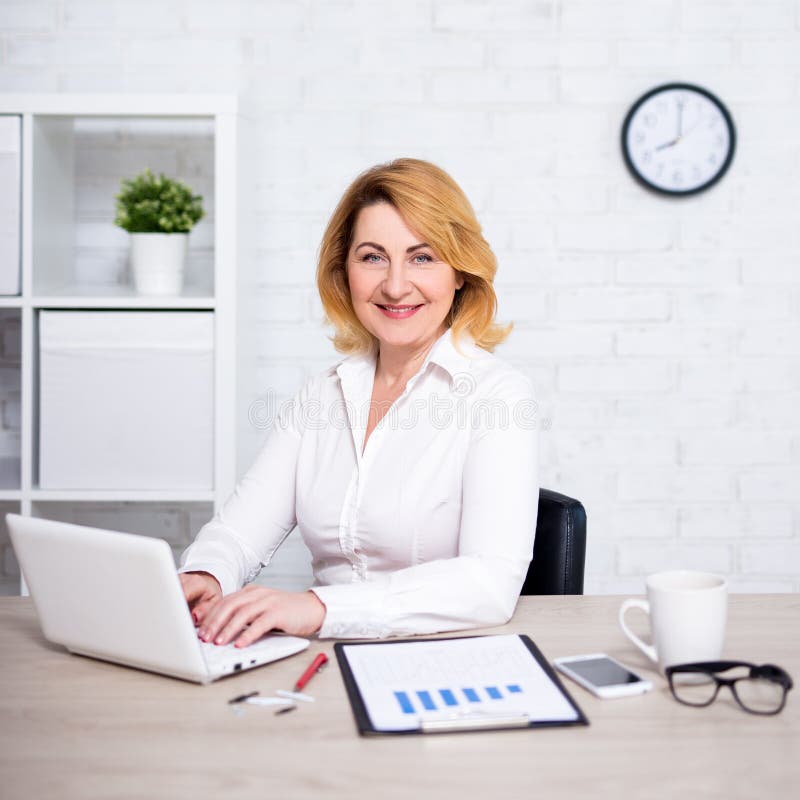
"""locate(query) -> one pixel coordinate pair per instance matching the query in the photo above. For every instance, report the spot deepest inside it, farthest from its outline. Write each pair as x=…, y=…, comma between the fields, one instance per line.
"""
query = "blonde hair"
x=435, y=206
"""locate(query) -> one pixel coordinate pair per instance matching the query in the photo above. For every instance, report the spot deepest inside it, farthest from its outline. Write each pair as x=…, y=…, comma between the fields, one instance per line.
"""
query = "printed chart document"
x=475, y=682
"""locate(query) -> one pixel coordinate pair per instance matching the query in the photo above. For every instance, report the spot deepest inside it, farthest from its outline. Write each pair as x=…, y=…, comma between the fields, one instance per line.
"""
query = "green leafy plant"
x=156, y=204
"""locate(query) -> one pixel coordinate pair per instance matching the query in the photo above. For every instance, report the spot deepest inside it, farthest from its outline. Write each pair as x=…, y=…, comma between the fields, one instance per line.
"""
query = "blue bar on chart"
x=514, y=688
x=448, y=697
x=494, y=692
x=471, y=695
x=405, y=703
x=426, y=700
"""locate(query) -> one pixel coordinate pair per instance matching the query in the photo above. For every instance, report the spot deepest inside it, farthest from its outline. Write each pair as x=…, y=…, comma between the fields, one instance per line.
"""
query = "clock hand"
x=668, y=144
x=691, y=129
x=680, y=120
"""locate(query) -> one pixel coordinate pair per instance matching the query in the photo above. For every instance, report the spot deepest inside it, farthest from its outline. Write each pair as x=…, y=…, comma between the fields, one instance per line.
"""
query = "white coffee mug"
x=687, y=617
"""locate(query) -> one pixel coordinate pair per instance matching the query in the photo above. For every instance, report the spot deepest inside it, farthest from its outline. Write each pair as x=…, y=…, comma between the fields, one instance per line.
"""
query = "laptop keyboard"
x=220, y=654
x=217, y=655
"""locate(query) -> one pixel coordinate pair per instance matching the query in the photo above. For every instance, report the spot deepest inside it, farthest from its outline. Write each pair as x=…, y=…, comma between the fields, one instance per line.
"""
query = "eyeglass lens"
x=694, y=689
x=759, y=694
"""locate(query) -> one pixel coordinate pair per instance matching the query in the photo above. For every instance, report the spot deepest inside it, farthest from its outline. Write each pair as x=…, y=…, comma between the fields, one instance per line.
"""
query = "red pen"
x=313, y=668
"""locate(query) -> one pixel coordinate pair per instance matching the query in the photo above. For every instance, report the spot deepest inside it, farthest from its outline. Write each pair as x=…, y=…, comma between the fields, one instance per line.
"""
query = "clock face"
x=678, y=139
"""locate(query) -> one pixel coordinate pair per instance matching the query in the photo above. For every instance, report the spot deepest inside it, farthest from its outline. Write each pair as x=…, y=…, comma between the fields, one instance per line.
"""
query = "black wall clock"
x=678, y=139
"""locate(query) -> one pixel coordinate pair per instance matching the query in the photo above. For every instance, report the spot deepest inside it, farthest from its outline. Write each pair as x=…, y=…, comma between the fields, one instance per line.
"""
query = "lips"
x=398, y=312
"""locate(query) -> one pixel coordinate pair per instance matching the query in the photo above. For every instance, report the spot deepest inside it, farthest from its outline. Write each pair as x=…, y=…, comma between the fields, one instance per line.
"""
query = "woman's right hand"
x=202, y=591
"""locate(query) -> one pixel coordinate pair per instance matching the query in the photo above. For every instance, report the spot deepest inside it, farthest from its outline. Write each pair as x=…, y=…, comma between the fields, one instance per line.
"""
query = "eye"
x=426, y=258
x=369, y=256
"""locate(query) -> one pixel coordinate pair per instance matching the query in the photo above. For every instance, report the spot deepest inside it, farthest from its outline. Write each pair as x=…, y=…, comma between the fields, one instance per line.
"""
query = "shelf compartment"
x=9, y=568
x=78, y=163
x=126, y=400
x=10, y=398
x=10, y=203
x=163, y=519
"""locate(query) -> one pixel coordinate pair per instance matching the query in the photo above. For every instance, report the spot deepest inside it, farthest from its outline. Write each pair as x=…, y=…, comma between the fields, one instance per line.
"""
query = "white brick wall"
x=663, y=337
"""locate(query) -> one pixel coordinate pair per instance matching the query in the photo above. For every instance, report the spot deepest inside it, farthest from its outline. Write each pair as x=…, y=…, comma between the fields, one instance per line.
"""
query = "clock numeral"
x=712, y=159
x=650, y=120
x=677, y=178
x=696, y=173
x=639, y=137
x=647, y=156
x=719, y=141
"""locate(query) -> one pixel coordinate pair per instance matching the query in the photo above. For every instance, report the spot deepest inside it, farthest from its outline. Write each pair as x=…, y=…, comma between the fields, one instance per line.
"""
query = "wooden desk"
x=71, y=727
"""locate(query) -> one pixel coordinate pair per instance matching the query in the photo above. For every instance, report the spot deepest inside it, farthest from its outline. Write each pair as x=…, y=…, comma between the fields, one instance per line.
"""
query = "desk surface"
x=75, y=727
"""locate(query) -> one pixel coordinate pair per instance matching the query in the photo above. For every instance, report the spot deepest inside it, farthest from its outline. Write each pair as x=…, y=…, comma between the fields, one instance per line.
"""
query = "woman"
x=410, y=466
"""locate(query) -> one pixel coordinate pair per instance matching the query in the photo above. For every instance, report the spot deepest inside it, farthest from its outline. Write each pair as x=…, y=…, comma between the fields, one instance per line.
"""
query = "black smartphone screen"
x=602, y=672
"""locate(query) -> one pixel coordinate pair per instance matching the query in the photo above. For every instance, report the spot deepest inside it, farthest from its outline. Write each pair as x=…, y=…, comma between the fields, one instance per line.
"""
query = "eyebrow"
x=382, y=249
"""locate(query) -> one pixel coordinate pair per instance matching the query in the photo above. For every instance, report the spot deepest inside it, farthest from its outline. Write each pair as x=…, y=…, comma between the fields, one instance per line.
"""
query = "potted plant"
x=158, y=212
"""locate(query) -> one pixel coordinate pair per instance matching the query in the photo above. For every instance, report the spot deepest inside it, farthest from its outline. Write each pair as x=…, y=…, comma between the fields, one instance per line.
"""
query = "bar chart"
x=419, y=700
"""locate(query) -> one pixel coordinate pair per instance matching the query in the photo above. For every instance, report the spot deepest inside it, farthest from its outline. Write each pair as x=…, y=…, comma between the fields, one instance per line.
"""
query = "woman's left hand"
x=248, y=614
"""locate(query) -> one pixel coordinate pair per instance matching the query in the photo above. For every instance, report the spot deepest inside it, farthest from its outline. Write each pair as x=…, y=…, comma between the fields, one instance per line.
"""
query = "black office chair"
x=559, y=551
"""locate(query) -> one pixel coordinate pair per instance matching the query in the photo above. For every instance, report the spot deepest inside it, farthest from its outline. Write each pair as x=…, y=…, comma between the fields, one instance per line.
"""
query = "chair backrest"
x=559, y=551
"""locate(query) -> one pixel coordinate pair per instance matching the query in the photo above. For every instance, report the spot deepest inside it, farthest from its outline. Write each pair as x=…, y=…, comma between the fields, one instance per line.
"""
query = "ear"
x=459, y=280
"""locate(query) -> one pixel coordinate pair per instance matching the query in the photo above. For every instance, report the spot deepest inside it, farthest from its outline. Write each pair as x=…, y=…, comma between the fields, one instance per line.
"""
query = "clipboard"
x=445, y=685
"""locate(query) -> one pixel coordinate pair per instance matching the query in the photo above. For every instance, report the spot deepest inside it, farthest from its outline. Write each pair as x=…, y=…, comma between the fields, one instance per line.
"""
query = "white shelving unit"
x=75, y=149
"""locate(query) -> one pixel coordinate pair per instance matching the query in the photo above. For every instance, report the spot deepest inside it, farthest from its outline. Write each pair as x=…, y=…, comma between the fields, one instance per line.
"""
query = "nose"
x=396, y=285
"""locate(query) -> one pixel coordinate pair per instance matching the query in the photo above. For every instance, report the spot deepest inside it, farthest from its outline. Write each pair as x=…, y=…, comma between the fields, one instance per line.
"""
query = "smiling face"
x=401, y=290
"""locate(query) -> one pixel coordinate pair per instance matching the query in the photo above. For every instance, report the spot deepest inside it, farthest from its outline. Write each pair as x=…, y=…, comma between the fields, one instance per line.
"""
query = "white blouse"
x=431, y=529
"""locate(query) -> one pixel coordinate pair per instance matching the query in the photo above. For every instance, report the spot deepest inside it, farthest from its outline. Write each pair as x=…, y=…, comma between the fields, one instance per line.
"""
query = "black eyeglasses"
x=760, y=690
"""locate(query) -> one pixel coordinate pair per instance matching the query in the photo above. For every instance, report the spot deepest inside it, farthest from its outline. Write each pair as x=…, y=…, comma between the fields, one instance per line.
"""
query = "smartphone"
x=602, y=675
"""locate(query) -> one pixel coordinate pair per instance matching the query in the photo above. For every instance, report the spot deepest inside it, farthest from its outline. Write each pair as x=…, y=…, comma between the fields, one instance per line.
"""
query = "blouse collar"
x=443, y=353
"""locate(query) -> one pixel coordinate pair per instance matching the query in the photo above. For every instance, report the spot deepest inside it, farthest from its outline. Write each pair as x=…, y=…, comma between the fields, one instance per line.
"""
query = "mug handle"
x=647, y=649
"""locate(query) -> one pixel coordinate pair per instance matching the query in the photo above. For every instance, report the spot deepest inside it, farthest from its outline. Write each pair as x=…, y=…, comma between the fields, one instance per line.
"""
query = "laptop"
x=117, y=597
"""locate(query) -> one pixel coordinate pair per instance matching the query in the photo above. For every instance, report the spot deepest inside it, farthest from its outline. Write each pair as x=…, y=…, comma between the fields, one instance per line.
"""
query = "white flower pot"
x=157, y=262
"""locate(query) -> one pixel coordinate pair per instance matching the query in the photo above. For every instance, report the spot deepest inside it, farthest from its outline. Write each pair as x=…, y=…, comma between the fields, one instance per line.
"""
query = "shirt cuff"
x=353, y=611
x=225, y=578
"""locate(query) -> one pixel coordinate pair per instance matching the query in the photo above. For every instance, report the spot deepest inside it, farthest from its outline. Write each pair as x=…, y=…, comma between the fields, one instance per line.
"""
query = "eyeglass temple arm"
x=773, y=672
x=709, y=666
